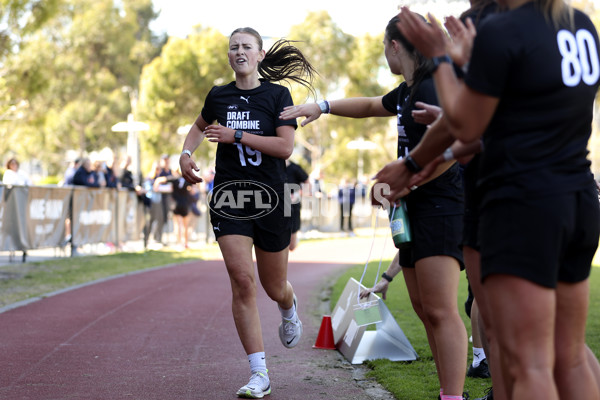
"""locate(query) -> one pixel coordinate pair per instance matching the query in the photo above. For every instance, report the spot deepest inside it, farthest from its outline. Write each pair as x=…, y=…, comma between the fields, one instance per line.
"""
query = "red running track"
x=168, y=334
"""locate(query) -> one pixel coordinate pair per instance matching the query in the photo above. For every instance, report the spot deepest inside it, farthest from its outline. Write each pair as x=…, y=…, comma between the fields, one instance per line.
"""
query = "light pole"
x=132, y=128
x=361, y=144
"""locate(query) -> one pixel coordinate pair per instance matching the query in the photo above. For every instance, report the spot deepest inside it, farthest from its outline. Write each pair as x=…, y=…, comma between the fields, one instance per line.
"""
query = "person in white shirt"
x=12, y=176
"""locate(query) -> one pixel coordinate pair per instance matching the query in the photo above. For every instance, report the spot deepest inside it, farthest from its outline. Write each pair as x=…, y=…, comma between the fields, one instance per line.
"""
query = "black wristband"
x=437, y=61
x=238, y=136
x=387, y=277
x=412, y=165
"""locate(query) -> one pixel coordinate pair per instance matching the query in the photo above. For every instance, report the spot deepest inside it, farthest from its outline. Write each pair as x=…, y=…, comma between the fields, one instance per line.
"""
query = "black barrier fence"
x=34, y=217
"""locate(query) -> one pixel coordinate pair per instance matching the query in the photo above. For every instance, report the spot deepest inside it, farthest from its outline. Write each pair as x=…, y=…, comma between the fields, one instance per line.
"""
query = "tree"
x=21, y=18
x=348, y=67
x=364, y=71
x=71, y=72
x=173, y=87
x=327, y=47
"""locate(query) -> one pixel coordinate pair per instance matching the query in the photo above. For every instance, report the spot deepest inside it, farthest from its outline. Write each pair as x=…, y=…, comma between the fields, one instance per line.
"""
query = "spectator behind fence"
x=127, y=182
x=165, y=187
x=346, y=198
x=111, y=173
x=158, y=191
x=12, y=175
x=209, y=181
x=126, y=177
x=182, y=196
x=70, y=172
x=99, y=169
x=85, y=175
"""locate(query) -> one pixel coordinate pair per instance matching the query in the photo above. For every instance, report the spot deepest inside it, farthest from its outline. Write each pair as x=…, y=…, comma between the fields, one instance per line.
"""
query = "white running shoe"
x=258, y=387
x=290, y=330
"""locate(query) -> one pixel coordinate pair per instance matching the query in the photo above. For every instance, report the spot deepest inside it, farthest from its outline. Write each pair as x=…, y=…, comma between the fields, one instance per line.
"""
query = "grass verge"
x=417, y=380
x=21, y=282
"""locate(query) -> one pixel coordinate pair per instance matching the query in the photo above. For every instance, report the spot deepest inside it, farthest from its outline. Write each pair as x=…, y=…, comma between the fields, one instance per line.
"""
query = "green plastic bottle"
x=400, y=225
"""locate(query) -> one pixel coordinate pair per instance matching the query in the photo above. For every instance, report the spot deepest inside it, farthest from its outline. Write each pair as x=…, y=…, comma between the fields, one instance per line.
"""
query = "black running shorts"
x=543, y=240
x=434, y=236
x=271, y=232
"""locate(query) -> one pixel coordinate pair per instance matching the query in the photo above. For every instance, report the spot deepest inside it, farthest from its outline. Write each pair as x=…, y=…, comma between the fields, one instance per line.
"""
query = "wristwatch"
x=412, y=165
x=324, y=106
x=439, y=60
x=238, y=136
x=387, y=277
x=189, y=153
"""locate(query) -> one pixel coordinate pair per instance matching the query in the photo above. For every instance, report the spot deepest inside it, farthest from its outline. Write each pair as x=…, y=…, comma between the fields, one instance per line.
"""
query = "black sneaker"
x=481, y=371
x=489, y=394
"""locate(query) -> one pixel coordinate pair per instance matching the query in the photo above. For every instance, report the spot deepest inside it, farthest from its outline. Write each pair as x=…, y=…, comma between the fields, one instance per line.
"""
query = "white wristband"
x=448, y=154
x=189, y=153
x=324, y=106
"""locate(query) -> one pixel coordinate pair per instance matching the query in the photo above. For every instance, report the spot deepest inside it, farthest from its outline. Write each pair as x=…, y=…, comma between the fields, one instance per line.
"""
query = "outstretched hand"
x=310, y=111
x=396, y=178
x=426, y=114
x=429, y=39
x=463, y=35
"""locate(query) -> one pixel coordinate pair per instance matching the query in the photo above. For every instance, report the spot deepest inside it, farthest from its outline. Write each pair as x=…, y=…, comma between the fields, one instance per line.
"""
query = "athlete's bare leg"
x=523, y=324
x=272, y=270
x=472, y=259
x=410, y=278
x=237, y=253
x=294, y=241
x=437, y=284
x=573, y=373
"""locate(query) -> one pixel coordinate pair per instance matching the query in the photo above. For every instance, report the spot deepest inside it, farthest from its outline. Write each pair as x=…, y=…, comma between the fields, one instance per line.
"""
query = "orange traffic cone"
x=325, y=337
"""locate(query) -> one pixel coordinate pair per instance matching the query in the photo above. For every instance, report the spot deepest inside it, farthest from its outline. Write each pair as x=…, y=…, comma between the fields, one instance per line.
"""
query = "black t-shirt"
x=444, y=194
x=127, y=180
x=295, y=174
x=546, y=79
x=256, y=112
x=479, y=14
x=471, y=169
x=181, y=193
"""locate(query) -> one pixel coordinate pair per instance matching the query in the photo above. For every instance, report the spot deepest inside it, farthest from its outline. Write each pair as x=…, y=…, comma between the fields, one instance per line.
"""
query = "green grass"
x=20, y=282
x=417, y=380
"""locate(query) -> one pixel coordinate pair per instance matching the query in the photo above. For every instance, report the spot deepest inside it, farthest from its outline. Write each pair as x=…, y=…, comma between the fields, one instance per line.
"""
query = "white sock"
x=288, y=314
x=258, y=362
x=478, y=356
